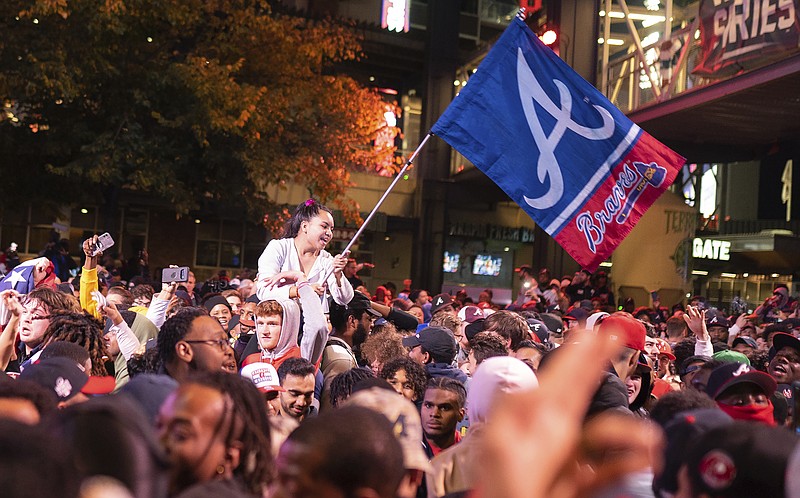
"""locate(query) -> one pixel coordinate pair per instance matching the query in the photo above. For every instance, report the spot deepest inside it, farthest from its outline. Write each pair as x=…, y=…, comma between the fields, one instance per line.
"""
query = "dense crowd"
x=299, y=382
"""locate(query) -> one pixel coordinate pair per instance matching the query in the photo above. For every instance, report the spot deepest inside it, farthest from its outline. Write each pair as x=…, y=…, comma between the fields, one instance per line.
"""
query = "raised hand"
x=696, y=320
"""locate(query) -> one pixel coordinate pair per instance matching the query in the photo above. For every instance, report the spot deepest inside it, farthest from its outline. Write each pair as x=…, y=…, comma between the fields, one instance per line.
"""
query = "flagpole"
x=383, y=197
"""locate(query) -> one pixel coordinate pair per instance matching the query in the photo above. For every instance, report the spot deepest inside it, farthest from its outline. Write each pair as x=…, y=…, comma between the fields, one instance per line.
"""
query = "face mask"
x=750, y=413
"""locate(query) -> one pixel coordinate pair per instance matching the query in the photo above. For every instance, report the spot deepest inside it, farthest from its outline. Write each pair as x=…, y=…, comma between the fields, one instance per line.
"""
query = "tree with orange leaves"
x=197, y=102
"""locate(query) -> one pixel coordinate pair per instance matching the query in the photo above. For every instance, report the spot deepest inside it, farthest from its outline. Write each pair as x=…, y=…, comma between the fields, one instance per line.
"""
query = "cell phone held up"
x=104, y=241
x=175, y=274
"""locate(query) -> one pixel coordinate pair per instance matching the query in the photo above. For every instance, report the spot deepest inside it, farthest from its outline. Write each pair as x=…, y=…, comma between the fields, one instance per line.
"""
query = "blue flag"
x=566, y=155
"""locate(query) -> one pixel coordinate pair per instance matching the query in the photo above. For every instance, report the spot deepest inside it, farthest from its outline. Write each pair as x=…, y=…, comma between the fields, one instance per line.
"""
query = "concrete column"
x=442, y=60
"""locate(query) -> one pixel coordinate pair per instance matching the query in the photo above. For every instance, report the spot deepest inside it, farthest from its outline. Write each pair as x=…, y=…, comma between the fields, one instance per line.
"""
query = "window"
x=229, y=244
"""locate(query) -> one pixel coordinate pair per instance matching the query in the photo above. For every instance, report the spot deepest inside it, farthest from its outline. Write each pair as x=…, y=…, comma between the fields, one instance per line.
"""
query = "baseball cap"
x=440, y=301
x=65, y=378
x=263, y=376
x=626, y=329
x=438, y=341
x=740, y=460
x=731, y=374
x=553, y=308
x=782, y=340
x=362, y=302
x=470, y=314
x=717, y=320
x=681, y=432
x=683, y=368
x=499, y=374
x=576, y=313
x=553, y=323
x=665, y=349
x=473, y=329
x=403, y=416
x=749, y=341
x=594, y=318
x=730, y=356
x=540, y=331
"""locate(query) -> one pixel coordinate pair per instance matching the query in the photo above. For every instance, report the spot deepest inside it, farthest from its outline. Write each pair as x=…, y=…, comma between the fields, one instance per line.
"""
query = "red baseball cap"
x=626, y=329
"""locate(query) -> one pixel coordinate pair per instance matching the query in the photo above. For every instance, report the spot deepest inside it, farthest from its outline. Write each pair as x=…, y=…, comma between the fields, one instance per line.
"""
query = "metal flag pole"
x=383, y=198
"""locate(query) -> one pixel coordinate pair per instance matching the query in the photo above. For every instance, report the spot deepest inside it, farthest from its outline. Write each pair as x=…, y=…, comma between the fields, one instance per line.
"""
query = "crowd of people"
x=300, y=383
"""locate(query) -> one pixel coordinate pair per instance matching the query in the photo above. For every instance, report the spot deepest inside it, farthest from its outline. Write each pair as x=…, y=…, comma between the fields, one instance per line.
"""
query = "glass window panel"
x=208, y=230
x=231, y=255
x=207, y=253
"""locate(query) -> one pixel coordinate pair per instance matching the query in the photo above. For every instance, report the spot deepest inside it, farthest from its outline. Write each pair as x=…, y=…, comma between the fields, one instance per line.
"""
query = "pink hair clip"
x=310, y=202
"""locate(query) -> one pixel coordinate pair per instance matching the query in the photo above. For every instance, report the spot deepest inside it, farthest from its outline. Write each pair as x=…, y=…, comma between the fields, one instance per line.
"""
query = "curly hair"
x=174, y=330
x=416, y=374
x=82, y=329
x=143, y=363
x=383, y=346
x=342, y=384
x=244, y=421
x=447, y=320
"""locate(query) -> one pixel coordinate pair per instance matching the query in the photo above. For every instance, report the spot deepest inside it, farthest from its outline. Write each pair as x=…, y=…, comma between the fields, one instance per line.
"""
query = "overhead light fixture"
x=728, y=275
x=606, y=264
x=699, y=272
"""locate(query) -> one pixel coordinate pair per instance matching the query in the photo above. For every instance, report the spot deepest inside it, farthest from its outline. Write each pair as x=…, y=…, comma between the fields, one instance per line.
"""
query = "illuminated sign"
x=394, y=15
x=711, y=249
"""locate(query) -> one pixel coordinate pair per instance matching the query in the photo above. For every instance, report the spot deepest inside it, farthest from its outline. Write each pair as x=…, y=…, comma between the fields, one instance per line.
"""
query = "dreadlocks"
x=244, y=421
x=82, y=329
x=342, y=384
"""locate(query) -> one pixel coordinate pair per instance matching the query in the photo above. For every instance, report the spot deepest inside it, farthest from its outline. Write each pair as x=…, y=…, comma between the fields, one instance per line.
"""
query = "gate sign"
x=744, y=34
x=711, y=249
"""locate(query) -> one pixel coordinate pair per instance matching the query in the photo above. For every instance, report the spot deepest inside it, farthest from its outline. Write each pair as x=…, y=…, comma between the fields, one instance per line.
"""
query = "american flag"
x=19, y=279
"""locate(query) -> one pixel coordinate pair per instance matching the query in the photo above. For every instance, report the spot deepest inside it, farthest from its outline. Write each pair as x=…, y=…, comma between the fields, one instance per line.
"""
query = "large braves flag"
x=581, y=169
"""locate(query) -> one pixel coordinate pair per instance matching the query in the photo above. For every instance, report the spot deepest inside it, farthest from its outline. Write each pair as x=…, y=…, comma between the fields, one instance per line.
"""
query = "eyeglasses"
x=222, y=344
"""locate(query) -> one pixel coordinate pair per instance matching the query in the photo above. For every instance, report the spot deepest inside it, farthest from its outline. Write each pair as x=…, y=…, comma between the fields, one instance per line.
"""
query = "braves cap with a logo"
x=263, y=376
x=717, y=320
x=740, y=460
x=731, y=374
x=470, y=314
x=440, y=301
x=65, y=378
x=539, y=329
